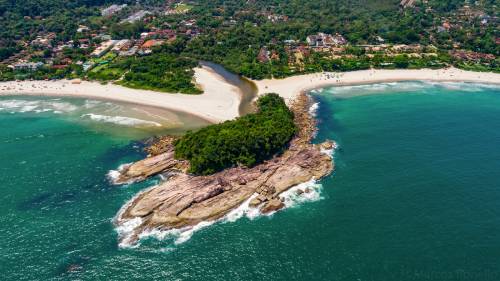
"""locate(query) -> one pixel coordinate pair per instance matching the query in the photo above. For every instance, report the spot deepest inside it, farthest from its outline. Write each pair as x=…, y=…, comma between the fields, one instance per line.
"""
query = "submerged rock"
x=185, y=200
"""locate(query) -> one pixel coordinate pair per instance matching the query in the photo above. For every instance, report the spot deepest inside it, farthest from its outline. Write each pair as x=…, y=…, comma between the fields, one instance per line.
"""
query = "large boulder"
x=272, y=206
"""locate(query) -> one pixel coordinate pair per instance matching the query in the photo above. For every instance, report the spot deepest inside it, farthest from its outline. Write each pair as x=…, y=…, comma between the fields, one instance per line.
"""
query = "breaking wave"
x=113, y=175
x=313, y=110
x=36, y=106
x=120, y=120
x=126, y=230
x=408, y=86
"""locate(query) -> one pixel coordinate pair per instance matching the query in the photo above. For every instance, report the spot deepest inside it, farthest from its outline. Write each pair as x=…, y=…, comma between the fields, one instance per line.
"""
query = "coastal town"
x=101, y=48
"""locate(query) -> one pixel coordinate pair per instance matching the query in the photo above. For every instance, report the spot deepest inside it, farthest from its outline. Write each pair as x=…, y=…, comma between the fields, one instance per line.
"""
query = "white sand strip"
x=288, y=88
x=219, y=102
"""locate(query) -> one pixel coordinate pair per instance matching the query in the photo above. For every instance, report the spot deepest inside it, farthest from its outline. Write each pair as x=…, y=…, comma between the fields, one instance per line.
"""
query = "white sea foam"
x=407, y=86
x=377, y=88
x=36, y=106
x=91, y=103
x=120, y=120
x=113, y=175
x=330, y=152
x=313, y=110
x=292, y=197
x=178, y=235
x=243, y=210
x=465, y=86
x=126, y=230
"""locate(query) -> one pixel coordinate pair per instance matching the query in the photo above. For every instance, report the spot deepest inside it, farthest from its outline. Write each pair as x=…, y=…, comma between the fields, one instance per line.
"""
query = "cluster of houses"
x=471, y=56
x=297, y=51
x=276, y=18
x=334, y=47
x=179, y=9
x=23, y=65
x=142, y=46
x=325, y=40
x=100, y=44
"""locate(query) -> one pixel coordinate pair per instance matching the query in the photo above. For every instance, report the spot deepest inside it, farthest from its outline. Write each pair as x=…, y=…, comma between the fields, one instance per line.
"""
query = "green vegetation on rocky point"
x=246, y=141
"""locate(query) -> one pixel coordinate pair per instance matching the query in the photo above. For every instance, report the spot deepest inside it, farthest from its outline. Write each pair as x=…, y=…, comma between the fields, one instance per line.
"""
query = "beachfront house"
x=31, y=66
x=323, y=39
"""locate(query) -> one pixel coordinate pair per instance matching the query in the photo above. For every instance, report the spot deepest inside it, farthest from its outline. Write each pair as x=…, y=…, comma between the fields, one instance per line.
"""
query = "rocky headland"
x=184, y=200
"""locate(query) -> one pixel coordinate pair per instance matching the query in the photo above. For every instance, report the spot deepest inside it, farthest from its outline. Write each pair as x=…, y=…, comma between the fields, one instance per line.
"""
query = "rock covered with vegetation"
x=185, y=200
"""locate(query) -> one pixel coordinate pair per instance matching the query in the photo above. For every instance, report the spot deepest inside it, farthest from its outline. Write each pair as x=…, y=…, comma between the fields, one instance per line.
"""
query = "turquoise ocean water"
x=415, y=196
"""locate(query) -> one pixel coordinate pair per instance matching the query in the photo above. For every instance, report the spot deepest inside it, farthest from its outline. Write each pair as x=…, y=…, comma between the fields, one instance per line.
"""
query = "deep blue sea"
x=415, y=194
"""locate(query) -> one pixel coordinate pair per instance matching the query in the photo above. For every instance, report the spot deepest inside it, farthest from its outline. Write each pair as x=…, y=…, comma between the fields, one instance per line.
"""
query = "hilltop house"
x=82, y=28
x=112, y=9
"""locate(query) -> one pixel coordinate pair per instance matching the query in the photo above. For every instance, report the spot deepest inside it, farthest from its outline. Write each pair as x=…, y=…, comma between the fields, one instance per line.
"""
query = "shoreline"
x=219, y=102
x=222, y=99
x=289, y=88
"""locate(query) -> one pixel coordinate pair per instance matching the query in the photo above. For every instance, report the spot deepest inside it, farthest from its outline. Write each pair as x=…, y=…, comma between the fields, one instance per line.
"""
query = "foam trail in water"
x=121, y=120
x=36, y=106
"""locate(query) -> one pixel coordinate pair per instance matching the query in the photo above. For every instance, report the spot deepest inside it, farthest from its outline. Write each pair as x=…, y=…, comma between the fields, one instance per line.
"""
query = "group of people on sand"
x=328, y=76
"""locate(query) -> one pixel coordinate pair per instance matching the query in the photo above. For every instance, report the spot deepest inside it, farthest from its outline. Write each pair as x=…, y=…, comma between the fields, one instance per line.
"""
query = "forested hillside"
x=256, y=38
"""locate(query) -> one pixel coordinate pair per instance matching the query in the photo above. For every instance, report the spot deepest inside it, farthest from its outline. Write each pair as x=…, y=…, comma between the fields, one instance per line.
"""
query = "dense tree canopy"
x=246, y=141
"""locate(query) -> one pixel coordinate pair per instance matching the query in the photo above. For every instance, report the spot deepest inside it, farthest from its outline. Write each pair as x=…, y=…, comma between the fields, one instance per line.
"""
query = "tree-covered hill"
x=246, y=141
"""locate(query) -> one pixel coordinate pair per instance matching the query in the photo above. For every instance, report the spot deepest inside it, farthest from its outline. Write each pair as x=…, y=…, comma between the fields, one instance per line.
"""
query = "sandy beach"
x=288, y=88
x=220, y=100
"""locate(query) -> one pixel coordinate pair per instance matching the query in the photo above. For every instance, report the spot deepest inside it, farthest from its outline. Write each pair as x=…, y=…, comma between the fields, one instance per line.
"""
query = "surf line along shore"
x=219, y=102
x=222, y=97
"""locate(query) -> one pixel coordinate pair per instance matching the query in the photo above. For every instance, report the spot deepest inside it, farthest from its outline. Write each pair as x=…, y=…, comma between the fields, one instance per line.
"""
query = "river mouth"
x=247, y=89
